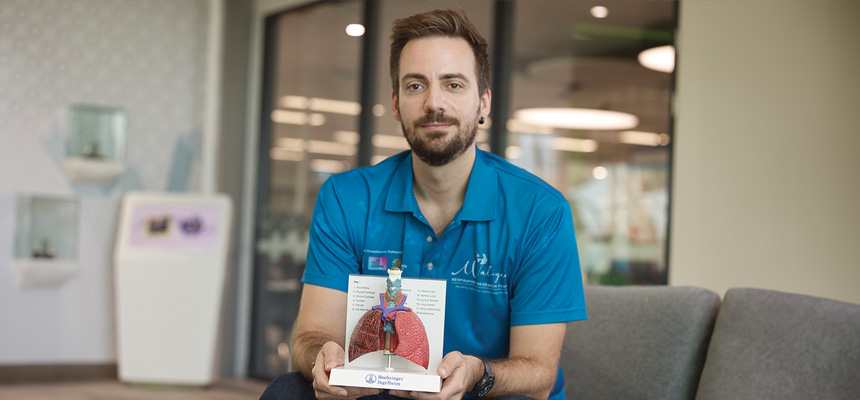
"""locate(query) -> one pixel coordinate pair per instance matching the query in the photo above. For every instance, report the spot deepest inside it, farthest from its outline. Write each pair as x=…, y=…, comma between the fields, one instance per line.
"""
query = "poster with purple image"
x=175, y=227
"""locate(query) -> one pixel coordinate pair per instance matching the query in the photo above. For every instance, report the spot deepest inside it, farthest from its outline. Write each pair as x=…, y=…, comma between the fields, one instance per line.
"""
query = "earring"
x=481, y=121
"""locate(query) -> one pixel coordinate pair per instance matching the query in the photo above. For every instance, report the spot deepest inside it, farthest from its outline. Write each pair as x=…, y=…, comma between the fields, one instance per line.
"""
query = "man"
x=502, y=238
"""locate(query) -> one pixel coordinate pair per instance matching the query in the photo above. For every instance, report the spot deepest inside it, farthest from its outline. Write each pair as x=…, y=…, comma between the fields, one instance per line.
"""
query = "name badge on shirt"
x=381, y=260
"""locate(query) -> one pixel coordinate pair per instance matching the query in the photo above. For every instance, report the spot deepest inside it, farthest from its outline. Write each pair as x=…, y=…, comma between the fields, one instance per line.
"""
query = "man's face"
x=438, y=104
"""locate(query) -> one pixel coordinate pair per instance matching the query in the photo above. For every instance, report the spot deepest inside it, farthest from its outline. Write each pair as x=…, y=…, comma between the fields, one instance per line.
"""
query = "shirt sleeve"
x=331, y=255
x=548, y=286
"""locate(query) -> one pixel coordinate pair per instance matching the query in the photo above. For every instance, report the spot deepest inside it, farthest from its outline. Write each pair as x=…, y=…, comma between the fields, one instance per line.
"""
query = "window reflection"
x=312, y=108
x=589, y=119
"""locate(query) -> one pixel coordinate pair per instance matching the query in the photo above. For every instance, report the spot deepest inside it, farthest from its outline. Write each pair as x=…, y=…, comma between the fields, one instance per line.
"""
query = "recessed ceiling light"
x=335, y=106
x=292, y=101
x=599, y=172
x=643, y=138
x=574, y=144
x=577, y=118
x=397, y=142
x=599, y=11
x=289, y=117
x=659, y=58
x=347, y=137
x=283, y=154
x=297, y=118
x=355, y=30
x=520, y=127
x=321, y=105
x=328, y=166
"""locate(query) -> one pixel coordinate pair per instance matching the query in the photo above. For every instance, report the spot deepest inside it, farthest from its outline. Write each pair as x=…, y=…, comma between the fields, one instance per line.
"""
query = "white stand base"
x=382, y=379
x=32, y=272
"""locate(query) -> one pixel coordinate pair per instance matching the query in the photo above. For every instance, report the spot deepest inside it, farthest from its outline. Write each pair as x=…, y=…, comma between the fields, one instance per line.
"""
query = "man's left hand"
x=459, y=374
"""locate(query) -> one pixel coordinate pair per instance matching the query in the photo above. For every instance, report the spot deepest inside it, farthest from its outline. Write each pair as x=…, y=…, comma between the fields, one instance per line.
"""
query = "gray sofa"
x=685, y=343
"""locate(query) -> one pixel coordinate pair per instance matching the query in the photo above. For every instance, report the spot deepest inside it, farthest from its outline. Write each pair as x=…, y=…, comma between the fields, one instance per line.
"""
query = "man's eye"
x=414, y=86
x=455, y=86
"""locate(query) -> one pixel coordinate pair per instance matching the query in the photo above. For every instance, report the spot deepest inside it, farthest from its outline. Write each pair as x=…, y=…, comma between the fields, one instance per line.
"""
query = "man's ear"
x=486, y=101
x=395, y=106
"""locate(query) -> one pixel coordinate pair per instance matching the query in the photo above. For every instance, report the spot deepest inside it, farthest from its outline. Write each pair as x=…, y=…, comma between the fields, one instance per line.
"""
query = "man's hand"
x=318, y=341
x=530, y=370
x=331, y=356
x=459, y=374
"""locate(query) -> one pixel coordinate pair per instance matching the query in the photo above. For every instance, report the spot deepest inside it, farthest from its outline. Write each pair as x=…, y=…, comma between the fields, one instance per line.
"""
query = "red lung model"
x=410, y=341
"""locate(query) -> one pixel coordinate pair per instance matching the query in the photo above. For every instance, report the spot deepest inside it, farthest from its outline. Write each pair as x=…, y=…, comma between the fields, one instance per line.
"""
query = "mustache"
x=437, y=117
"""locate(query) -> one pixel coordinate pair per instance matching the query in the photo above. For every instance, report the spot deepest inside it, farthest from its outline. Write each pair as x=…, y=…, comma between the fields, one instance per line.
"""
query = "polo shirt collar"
x=400, y=196
x=481, y=193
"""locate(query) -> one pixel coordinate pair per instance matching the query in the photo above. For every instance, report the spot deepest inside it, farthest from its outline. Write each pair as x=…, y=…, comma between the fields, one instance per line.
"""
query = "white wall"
x=766, y=189
x=144, y=56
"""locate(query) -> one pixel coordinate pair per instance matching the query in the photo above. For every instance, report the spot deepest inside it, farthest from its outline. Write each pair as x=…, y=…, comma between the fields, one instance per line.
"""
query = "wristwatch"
x=486, y=383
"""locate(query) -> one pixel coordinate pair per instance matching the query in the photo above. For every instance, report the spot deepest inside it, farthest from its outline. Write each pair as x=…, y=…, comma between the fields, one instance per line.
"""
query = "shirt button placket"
x=432, y=244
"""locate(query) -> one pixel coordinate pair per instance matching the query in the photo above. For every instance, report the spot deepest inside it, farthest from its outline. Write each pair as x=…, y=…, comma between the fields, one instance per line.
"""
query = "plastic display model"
x=391, y=327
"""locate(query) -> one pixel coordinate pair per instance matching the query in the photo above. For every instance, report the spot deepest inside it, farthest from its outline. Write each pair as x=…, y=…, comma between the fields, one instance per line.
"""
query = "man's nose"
x=435, y=100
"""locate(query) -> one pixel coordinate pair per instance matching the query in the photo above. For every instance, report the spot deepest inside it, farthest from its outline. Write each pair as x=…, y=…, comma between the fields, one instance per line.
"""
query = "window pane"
x=616, y=177
x=311, y=110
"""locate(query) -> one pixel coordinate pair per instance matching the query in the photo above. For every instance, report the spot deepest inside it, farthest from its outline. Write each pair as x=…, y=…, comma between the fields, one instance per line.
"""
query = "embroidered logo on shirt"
x=478, y=275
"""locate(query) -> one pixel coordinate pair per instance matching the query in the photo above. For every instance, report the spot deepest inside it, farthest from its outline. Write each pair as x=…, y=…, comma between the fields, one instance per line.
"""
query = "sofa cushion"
x=774, y=345
x=639, y=342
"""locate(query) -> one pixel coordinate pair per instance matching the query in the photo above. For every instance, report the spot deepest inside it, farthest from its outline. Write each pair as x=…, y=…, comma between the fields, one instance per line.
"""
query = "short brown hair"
x=445, y=23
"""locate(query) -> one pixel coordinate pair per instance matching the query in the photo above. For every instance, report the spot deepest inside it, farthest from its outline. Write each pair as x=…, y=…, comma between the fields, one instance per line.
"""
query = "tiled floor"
x=112, y=390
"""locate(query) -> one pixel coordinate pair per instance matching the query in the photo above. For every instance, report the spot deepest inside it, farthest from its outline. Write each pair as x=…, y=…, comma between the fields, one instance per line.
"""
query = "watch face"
x=486, y=386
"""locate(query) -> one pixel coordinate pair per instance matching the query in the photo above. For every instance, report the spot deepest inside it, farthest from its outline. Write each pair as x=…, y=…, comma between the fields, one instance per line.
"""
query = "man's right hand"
x=331, y=356
x=321, y=324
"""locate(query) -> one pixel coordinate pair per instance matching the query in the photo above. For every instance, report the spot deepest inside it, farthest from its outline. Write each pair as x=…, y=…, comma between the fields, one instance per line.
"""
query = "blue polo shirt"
x=509, y=256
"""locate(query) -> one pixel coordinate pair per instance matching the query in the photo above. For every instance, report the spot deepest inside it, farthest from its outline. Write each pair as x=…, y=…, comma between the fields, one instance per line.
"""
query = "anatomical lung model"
x=391, y=327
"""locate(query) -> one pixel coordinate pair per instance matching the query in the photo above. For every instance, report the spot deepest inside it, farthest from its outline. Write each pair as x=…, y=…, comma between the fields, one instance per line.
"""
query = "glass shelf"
x=95, y=148
x=46, y=238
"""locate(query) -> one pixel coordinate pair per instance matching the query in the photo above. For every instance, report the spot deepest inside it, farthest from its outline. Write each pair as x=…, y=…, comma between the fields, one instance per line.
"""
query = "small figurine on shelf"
x=91, y=151
x=44, y=251
x=191, y=225
x=391, y=327
x=158, y=225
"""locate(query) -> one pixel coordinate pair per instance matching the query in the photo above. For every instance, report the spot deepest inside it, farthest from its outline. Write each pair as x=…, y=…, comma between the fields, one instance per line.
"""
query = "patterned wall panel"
x=145, y=56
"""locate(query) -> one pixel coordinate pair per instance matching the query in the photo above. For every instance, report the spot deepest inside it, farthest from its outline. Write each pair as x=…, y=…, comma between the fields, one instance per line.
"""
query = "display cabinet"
x=46, y=239
x=96, y=144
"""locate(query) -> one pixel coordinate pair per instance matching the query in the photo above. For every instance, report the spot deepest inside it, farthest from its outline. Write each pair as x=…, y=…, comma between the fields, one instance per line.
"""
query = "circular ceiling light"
x=577, y=118
x=599, y=12
x=355, y=30
x=659, y=58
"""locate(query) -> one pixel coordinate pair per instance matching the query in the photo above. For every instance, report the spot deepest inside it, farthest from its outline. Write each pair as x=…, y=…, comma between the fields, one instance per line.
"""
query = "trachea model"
x=391, y=327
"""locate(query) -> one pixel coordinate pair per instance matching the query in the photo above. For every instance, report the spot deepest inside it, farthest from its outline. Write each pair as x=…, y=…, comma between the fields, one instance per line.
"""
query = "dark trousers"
x=294, y=386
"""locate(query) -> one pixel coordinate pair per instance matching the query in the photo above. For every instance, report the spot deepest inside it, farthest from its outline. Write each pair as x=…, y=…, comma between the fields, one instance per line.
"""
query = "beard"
x=423, y=147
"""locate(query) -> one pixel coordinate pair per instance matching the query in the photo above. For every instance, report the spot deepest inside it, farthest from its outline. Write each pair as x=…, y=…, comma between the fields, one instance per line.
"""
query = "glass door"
x=308, y=132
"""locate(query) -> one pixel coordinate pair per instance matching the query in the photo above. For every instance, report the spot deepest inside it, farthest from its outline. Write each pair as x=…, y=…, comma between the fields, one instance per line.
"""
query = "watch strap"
x=483, y=386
